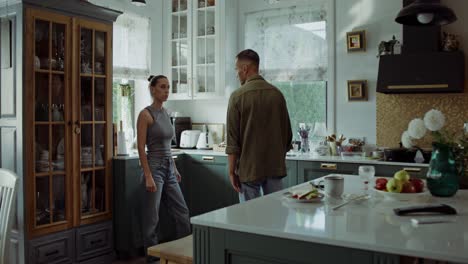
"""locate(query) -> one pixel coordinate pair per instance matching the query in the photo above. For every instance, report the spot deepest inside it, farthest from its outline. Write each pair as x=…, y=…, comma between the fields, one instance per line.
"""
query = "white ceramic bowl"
x=403, y=196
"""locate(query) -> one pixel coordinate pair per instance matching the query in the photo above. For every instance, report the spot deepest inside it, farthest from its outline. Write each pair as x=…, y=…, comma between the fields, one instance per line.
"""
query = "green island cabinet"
x=206, y=187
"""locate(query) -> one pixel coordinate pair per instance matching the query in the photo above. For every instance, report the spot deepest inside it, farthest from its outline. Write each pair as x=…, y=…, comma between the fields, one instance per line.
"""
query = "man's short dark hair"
x=249, y=55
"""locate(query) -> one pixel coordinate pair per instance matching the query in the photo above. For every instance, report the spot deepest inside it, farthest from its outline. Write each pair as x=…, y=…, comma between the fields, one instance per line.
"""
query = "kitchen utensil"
x=205, y=141
x=189, y=138
x=333, y=185
x=357, y=198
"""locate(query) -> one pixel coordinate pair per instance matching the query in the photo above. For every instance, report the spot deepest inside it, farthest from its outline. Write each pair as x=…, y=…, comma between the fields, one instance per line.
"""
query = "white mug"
x=333, y=186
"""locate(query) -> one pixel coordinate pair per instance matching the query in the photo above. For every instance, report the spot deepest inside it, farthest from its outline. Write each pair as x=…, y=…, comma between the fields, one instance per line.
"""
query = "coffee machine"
x=180, y=124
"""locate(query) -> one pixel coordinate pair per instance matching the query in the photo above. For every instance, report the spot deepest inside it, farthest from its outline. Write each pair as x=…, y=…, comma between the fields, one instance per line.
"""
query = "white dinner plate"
x=288, y=197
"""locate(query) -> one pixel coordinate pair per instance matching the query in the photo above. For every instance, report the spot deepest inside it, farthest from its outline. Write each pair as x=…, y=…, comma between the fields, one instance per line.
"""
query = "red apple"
x=408, y=188
x=418, y=184
x=381, y=181
x=381, y=186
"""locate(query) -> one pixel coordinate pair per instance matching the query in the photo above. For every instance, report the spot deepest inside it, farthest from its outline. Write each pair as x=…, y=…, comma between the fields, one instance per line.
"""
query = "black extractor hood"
x=422, y=67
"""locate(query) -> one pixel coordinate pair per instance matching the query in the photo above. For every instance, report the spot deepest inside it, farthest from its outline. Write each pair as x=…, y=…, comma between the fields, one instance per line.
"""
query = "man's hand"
x=235, y=182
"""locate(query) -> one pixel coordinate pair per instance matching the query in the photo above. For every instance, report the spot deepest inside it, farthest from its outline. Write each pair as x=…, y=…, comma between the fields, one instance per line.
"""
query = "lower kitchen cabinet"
x=210, y=188
x=85, y=244
x=54, y=248
x=389, y=171
x=291, y=177
x=310, y=170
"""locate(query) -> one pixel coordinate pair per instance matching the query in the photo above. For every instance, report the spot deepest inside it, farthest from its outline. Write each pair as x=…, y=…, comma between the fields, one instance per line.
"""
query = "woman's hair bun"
x=150, y=78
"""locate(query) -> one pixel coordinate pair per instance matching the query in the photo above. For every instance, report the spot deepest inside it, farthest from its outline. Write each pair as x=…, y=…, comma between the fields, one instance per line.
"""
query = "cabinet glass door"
x=204, y=52
x=180, y=49
x=93, y=122
x=50, y=146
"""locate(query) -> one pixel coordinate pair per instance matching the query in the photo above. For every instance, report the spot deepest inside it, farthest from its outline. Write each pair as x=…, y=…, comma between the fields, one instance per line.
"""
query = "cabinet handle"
x=96, y=241
x=328, y=166
x=77, y=127
x=48, y=254
x=208, y=158
x=412, y=169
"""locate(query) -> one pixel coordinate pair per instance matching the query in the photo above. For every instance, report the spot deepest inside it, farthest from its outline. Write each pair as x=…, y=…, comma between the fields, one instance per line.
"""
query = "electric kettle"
x=205, y=140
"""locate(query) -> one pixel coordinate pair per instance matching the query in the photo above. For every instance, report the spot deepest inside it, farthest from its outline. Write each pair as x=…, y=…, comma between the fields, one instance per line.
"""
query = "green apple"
x=394, y=186
x=402, y=176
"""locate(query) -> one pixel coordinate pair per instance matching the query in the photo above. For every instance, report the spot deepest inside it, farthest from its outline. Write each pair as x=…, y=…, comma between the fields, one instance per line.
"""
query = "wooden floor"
x=133, y=261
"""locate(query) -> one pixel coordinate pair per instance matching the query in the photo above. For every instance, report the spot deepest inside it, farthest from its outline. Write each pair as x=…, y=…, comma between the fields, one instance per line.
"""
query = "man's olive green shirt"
x=258, y=130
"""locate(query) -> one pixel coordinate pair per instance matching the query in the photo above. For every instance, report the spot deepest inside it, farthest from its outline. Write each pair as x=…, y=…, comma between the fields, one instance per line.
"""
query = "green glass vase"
x=442, y=177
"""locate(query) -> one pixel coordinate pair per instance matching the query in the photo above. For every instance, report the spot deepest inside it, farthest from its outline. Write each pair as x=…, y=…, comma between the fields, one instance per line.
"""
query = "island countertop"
x=369, y=225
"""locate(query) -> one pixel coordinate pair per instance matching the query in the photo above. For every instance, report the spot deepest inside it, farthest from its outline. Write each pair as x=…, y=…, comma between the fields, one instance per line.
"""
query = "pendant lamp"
x=426, y=13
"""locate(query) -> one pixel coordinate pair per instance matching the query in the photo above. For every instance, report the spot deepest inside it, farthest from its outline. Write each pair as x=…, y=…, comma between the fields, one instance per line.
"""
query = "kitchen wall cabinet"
x=67, y=130
x=200, y=47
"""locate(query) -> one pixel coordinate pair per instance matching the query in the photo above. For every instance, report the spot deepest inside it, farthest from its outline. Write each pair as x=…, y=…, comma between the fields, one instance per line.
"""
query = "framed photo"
x=356, y=41
x=357, y=90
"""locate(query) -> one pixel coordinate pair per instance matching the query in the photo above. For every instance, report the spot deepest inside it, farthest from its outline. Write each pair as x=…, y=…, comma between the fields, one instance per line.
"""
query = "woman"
x=154, y=129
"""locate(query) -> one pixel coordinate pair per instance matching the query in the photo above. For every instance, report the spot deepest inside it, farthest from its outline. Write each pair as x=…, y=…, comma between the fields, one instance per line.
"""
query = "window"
x=131, y=43
x=123, y=99
x=293, y=48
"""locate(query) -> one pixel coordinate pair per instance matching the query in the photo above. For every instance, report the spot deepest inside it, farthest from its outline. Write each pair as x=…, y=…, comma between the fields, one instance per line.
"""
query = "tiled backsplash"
x=394, y=112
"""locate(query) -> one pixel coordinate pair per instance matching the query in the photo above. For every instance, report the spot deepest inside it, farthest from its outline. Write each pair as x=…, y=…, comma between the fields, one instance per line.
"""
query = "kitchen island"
x=271, y=229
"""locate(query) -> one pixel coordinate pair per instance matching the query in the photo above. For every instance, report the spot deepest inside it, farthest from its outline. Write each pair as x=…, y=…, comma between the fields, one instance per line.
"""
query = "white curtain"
x=131, y=47
x=291, y=42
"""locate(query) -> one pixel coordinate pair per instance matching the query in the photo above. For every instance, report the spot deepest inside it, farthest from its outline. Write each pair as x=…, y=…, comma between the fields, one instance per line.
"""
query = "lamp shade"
x=320, y=129
x=139, y=2
x=426, y=13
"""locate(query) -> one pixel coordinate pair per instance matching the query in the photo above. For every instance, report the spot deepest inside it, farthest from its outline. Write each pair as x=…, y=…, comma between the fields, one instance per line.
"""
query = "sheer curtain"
x=291, y=42
x=293, y=47
x=131, y=47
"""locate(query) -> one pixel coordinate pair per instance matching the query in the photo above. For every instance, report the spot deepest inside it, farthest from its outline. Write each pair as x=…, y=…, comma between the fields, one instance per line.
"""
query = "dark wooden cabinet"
x=67, y=118
x=54, y=248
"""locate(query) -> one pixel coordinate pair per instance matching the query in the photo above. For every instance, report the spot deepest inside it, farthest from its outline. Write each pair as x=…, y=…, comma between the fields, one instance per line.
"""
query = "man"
x=258, y=132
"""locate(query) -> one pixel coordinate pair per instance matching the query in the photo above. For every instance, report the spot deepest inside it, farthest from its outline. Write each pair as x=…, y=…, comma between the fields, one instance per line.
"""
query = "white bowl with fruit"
x=401, y=187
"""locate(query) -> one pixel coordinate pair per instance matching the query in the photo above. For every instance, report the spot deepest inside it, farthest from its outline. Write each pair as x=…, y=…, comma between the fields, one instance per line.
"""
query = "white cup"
x=333, y=186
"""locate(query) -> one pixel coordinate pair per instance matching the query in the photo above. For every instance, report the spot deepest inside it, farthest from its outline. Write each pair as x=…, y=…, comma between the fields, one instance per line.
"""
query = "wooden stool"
x=175, y=252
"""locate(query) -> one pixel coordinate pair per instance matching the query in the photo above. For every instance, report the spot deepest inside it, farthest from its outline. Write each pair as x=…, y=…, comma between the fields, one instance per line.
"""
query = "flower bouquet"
x=446, y=164
x=303, y=133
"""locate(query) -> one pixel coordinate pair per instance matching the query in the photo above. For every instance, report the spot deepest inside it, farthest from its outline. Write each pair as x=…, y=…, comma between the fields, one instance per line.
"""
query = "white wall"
x=377, y=18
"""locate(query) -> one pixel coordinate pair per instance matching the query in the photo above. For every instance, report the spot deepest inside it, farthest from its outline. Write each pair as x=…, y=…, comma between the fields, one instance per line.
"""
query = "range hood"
x=421, y=67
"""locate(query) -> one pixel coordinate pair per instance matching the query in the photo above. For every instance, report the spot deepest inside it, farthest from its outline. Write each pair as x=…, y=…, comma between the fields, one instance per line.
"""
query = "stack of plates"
x=42, y=165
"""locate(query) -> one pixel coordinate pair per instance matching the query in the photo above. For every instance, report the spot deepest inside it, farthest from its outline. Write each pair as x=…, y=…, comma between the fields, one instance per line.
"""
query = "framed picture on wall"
x=357, y=90
x=356, y=41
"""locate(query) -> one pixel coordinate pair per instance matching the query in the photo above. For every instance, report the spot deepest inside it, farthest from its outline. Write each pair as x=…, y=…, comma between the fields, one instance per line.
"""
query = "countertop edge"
x=326, y=241
x=292, y=158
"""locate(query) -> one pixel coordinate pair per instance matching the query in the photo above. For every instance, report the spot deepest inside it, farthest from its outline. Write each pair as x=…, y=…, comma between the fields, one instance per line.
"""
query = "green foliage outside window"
x=123, y=104
x=306, y=101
